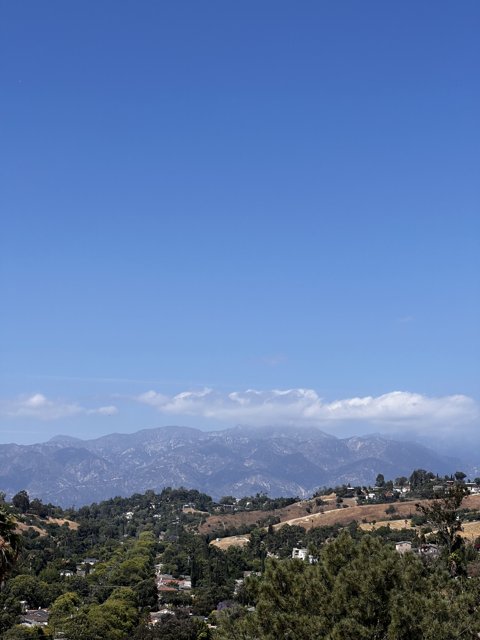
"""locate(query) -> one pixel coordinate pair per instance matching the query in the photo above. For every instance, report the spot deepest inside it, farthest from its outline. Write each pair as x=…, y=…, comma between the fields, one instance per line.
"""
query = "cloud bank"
x=305, y=407
x=42, y=408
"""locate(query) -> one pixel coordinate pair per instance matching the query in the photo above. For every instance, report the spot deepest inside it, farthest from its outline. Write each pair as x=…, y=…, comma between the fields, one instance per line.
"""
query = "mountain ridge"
x=237, y=461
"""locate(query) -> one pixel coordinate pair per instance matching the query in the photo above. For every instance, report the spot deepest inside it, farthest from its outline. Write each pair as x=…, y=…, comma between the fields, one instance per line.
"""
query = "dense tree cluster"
x=97, y=575
x=358, y=589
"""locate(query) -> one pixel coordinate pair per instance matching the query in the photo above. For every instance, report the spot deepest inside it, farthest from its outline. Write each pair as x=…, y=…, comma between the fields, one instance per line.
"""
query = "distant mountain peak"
x=59, y=439
x=283, y=460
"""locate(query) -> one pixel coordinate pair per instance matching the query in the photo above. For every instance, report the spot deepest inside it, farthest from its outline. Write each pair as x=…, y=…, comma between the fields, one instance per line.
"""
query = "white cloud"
x=305, y=407
x=109, y=410
x=42, y=408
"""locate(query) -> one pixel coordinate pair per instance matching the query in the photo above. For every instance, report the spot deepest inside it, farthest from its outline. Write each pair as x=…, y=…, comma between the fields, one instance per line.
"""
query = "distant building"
x=438, y=488
x=403, y=547
x=425, y=550
x=302, y=554
x=166, y=582
x=429, y=551
x=472, y=487
x=34, y=618
x=67, y=573
x=157, y=616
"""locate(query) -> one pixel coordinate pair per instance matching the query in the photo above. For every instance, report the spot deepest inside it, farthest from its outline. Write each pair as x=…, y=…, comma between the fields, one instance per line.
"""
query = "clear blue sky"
x=238, y=195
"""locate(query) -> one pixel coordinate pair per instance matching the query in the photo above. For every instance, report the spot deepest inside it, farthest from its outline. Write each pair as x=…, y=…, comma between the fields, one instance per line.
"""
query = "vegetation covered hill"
x=149, y=566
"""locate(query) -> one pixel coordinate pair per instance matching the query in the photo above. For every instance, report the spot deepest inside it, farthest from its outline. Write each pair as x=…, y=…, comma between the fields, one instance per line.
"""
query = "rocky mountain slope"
x=239, y=461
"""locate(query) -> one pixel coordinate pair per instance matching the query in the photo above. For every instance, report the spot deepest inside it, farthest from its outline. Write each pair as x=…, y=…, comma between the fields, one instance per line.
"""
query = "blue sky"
x=205, y=198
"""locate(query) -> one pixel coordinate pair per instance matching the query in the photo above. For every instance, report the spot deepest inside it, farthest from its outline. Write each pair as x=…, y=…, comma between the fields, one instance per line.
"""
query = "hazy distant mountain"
x=239, y=461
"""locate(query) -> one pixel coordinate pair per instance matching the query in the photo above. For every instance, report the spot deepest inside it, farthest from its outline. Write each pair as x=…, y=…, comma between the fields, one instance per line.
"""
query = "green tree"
x=380, y=480
x=146, y=593
x=23, y=633
x=174, y=627
x=21, y=501
x=444, y=516
x=29, y=588
x=9, y=544
x=419, y=478
x=360, y=589
x=63, y=609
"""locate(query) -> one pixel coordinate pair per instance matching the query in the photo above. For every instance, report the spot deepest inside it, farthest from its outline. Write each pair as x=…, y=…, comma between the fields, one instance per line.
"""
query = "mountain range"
x=239, y=461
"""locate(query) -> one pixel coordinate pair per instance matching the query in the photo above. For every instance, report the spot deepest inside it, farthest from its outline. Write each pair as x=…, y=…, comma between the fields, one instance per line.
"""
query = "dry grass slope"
x=366, y=515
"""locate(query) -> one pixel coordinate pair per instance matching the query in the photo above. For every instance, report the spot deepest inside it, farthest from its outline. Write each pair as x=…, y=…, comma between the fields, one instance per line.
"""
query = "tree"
x=174, y=627
x=419, y=478
x=460, y=476
x=21, y=501
x=146, y=593
x=20, y=632
x=31, y=589
x=380, y=480
x=38, y=508
x=443, y=514
x=64, y=608
x=359, y=590
x=9, y=544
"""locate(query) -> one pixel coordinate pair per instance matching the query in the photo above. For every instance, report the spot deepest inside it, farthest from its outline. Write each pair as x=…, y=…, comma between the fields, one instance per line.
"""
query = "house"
x=165, y=589
x=299, y=554
x=302, y=554
x=403, y=547
x=34, y=618
x=405, y=488
x=84, y=567
x=156, y=616
x=473, y=487
x=166, y=582
x=185, y=584
x=429, y=551
x=438, y=488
